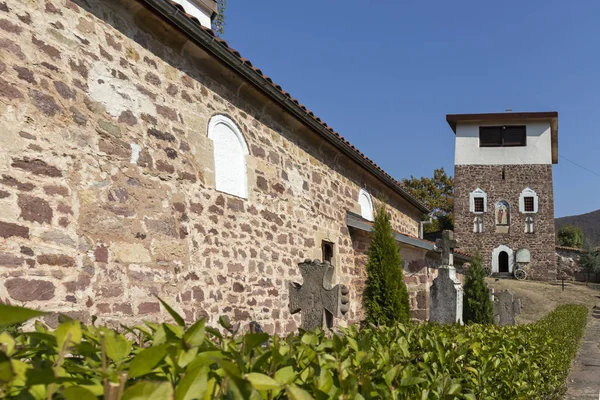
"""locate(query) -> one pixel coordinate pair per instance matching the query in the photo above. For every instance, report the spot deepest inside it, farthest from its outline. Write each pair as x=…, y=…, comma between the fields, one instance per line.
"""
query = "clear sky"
x=385, y=73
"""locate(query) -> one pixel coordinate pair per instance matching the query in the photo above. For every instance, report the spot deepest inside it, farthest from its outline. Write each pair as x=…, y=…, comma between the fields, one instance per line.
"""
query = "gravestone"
x=318, y=301
x=505, y=308
x=446, y=291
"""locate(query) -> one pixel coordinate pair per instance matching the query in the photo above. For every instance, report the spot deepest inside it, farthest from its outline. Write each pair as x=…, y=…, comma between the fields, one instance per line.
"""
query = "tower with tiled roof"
x=504, y=198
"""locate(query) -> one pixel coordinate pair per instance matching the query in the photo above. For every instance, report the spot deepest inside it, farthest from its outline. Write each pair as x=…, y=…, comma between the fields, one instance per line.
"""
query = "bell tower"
x=503, y=190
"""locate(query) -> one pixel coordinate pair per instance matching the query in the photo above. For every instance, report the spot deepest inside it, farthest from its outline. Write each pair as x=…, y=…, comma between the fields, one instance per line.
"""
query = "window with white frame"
x=366, y=205
x=230, y=151
x=478, y=201
x=528, y=201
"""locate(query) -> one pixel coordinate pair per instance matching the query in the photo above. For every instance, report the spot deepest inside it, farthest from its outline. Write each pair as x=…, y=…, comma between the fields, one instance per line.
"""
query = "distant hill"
x=589, y=224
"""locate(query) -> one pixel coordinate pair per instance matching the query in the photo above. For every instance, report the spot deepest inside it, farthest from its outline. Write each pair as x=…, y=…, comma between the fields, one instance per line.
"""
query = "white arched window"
x=230, y=151
x=478, y=201
x=528, y=201
x=366, y=205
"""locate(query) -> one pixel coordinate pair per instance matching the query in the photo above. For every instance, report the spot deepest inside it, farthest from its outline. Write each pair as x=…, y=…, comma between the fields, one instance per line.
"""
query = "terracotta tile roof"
x=399, y=188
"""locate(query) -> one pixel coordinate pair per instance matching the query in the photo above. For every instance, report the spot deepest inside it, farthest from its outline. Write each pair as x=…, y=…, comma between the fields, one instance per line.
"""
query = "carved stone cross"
x=318, y=301
x=446, y=245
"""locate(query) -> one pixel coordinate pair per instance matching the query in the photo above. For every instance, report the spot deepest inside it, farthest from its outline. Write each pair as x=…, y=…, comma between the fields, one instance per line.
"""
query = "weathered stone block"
x=29, y=289
x=35, y=209
x=131, y=253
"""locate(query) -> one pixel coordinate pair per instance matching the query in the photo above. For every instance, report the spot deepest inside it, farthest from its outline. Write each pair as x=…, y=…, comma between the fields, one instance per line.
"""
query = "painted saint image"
x=502, y=213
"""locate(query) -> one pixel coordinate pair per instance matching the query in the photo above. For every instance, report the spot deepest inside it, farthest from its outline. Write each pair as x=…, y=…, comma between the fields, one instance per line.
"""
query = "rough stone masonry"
x=107, y=187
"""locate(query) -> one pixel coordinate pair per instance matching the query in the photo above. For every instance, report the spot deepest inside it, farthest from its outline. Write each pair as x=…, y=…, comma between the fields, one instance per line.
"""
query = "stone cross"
x=316, y=298
x=506, y=307
x=446, y=245
x=446, y=295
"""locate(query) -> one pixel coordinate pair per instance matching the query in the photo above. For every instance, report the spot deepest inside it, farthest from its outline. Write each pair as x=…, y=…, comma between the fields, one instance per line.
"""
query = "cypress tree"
x=385, y=296
x=477, y=305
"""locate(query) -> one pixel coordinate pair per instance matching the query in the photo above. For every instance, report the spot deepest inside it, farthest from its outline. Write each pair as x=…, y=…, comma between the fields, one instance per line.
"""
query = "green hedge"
x=164, y=361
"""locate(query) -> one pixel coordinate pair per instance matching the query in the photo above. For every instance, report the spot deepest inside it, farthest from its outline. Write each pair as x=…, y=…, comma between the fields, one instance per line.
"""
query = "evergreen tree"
x=477, y=305
x=589, y=261
x=385, y=296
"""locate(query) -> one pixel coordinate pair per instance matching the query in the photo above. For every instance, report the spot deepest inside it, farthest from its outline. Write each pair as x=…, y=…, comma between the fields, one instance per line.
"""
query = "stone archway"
x=507, y=258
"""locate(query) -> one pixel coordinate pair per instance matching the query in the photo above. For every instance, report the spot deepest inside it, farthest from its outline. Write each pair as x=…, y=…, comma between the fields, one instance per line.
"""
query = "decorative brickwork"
x=516, y=178
x=108, y=191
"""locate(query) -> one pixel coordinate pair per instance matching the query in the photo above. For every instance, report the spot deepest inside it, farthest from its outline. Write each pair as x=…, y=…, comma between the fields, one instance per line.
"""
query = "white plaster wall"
x=537, y=151
x=195, y=8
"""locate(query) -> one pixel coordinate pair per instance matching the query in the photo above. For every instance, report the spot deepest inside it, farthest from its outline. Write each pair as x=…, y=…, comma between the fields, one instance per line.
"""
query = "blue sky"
x=385, y=73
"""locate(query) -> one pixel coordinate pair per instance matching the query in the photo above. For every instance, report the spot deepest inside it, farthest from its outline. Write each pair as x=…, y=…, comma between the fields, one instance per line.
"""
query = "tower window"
x=528, y=203
x=478, y=204
x=478, y=201
x=327, y=251
x=502, y=136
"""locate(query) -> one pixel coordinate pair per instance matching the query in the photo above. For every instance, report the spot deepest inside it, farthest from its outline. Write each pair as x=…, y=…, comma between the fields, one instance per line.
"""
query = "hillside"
x=589, y=223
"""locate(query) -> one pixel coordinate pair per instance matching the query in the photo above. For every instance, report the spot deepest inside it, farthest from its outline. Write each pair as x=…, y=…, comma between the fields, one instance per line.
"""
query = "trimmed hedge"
x=165, y=361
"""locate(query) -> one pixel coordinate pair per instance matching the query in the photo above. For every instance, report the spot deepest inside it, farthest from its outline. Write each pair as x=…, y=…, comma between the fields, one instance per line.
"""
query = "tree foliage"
x=477, y=306
x=385, y=296
x=590, y=262
x=219, y=21
x=437, y=193
x=570, y=236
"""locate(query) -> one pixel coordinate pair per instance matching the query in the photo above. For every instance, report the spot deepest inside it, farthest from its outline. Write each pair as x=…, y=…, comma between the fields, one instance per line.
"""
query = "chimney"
x=204, y=10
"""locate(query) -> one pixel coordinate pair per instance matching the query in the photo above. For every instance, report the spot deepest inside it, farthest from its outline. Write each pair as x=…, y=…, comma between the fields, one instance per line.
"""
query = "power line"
x=580, y=166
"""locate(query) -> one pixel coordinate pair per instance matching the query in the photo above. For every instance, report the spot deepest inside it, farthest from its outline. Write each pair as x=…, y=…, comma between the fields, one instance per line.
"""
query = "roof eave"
x=203, y=38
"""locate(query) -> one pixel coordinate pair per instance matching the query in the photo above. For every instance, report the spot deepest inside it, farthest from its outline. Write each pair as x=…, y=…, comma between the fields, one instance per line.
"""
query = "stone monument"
x=316, y=298
x=446, y=291
x=505, y=308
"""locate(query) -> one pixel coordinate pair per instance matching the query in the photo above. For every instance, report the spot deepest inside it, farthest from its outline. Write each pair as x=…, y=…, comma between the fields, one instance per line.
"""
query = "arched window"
x=528, y=201
x=478, y=224
x=366, y=205
x=478, y=201
x=230, y=151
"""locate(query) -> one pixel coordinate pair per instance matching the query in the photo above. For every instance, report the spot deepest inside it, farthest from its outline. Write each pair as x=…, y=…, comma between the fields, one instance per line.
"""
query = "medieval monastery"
x=142, y=156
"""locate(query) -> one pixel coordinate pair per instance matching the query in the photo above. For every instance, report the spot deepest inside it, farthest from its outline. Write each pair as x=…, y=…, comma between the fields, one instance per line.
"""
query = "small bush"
x=166, y=361
x=477, y=306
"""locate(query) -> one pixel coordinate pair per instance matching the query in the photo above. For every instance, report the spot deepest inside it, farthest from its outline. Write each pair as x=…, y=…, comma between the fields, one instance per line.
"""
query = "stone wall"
x=107, y=184
x=516, y=178
x=567, y=265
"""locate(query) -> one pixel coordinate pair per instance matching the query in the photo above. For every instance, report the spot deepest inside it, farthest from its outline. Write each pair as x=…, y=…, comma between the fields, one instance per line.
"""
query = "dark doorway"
x=503, y=261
